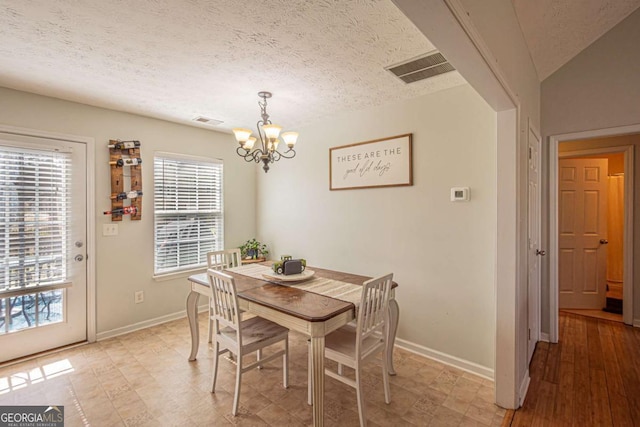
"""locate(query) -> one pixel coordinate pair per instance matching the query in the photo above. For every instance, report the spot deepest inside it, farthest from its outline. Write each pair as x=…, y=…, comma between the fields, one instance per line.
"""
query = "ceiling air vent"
x=207, y=121
x=424, y=67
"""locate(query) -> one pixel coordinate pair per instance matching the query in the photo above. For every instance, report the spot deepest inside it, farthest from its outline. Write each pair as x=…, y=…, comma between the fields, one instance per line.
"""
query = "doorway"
x=594, y=144
x=591, y=231
x=44, y=244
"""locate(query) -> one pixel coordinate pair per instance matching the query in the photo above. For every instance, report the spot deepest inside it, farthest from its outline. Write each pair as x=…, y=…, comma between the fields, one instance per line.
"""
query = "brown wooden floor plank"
x=582, y=389
x=593, y=344
x=628, y=359
x=600, y=398
x=564, y=404
x=553, y=363
x=568, y=340
x=546, y=400
x=508, y=418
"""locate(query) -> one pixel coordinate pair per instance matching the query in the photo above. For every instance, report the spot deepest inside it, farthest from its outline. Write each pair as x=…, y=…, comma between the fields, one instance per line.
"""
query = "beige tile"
x=275, y=415
x=416, y=417
x=445, y=417
x=482, y=411
x=457, y=404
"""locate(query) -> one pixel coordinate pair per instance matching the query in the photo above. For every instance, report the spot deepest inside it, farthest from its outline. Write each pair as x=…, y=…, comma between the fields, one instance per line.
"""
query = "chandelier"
x=267, y=152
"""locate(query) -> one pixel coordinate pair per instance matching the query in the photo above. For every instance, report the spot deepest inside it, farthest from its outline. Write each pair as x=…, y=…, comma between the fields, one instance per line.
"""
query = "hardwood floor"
x=590, y=378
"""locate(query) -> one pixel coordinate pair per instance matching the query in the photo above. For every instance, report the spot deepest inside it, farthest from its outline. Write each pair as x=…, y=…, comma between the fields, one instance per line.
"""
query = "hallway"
x=590, y=378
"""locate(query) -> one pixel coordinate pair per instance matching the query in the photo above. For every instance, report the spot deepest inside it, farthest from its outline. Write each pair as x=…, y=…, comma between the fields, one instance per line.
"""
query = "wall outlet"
x=109, y=229
x=138, y=297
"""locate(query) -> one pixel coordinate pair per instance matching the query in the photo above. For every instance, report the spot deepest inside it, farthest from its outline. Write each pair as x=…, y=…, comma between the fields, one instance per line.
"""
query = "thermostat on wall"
x=460, y=194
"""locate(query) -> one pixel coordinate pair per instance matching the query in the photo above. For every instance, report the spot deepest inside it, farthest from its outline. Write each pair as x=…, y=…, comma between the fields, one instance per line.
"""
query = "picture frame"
x=384, y=162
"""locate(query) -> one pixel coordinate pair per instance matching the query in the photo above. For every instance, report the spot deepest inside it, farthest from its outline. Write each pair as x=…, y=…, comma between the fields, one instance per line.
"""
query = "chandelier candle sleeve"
x=268, y=134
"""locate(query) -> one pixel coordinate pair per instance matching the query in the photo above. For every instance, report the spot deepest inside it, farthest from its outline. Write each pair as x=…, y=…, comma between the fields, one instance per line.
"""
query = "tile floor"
x=144, y=378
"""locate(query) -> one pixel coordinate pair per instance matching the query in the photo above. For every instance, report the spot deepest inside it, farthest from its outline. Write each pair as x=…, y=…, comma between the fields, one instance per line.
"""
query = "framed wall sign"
x=385, y=162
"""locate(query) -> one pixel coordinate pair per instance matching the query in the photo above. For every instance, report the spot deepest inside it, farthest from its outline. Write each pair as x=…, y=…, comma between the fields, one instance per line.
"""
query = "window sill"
x=178, y=274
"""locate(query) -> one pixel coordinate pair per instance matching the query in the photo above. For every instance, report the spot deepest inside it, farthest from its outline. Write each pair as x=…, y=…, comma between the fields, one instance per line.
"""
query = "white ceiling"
x=557, y=30
x=178, y=59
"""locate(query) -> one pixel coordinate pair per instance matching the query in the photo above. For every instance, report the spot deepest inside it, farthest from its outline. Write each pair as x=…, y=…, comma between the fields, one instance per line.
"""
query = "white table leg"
x=394, y=315
x=192, y=315
x=317, y=379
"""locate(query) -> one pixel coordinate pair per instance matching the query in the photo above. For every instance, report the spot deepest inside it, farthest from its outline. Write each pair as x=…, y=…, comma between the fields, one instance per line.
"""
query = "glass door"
x=43, y=276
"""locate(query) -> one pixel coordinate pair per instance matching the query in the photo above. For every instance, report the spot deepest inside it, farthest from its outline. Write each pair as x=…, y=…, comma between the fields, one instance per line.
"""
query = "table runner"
x=337, y=289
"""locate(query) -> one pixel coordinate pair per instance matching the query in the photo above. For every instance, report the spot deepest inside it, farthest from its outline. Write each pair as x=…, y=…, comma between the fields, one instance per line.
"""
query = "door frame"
x=89, y=143
x=554, y=154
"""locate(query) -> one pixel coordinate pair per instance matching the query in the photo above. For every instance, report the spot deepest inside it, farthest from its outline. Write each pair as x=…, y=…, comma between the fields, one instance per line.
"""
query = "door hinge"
x=529, y=334
x=530, y=153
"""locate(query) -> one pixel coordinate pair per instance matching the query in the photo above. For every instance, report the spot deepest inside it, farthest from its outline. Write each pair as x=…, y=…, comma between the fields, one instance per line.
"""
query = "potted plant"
x=253, y=249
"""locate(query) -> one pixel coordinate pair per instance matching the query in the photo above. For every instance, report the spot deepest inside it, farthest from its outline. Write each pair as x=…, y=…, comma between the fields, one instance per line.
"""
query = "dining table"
x=294, y=306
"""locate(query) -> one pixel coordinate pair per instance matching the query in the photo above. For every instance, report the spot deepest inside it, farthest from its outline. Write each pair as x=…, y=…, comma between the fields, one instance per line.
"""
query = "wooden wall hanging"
x=119, y=166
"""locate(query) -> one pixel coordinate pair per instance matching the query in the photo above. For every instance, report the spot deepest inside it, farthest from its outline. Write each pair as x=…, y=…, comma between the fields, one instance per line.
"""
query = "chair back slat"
x=373, y=313
x=221, y=260
x=225, y=300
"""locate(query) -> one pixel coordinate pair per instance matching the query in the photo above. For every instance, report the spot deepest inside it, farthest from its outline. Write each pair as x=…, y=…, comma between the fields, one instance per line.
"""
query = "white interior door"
x=582, y=222
x=534, y=250
x=43, y=269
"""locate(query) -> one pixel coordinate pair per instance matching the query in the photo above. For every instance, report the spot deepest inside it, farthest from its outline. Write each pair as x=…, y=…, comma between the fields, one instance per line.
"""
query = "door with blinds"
x=43, y=276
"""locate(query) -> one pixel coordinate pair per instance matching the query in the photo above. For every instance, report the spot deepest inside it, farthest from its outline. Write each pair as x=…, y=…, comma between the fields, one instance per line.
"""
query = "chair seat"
x=343, y=342
x=255, y=331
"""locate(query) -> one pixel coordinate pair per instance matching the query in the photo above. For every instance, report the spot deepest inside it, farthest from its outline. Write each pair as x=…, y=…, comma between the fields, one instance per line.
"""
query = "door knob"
x=541, y=253
x=79, y=258
x=603, y=241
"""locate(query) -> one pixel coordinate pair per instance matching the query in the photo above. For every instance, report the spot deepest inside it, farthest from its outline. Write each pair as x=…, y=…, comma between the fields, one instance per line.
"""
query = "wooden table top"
x=289, y=299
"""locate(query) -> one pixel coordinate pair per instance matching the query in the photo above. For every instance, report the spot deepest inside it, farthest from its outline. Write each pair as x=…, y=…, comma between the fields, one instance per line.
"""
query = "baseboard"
x=544, y=337
x=636, y=323
x=145, y=324
x=524, y=387
x=447, y=359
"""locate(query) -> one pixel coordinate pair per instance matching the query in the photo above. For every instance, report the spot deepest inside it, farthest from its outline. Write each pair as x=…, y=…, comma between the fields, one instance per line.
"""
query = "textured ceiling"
x=178, y=59
x=557, y=30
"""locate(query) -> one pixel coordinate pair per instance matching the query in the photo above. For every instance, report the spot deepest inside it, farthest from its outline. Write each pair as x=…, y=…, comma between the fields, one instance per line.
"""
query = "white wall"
x=484, y=42
x=598, y=89
x=442, y=253
x=125, y=262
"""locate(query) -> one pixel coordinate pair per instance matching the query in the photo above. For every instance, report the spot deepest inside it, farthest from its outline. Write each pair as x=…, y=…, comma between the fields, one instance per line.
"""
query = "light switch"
x=109, y=229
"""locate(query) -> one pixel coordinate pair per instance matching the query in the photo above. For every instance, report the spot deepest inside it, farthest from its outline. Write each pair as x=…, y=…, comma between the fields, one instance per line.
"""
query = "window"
x=34, y=215
x=188, y=220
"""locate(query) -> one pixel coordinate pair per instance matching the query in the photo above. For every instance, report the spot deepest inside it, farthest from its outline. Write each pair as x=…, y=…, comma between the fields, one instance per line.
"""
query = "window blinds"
x=188, y=219
x=35, y=210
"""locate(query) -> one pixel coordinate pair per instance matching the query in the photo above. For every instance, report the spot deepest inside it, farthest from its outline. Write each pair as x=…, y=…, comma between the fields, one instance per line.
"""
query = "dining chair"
x=220, y=260
x=352, y=346
x=241, y=337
